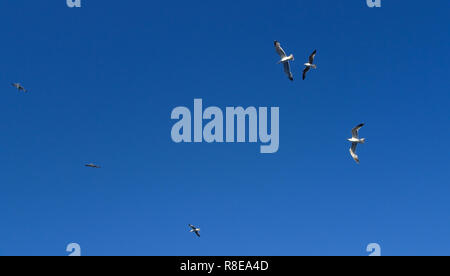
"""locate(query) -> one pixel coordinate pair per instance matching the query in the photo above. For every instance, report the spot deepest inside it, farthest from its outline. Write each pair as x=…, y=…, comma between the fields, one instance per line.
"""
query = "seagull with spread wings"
x=195, y=230
x=19, y=87
x=92, y=165
x=285, y=60
x=310, y=64
x=355, y=140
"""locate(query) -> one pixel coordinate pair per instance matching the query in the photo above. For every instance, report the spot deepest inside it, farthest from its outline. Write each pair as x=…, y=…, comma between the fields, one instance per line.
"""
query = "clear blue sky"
x=104, y=79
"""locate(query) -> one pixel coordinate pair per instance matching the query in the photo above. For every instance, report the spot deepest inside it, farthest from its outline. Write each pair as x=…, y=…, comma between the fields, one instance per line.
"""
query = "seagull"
x=19, y=87
x=355, y=141
x=310, y=64
x=195, y=230
x=285, y=60
x=91, y=165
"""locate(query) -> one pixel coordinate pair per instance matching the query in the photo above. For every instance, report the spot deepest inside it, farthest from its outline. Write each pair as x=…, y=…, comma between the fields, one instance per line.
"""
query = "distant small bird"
x=310, y=64
x=92, y=165
x=195, y=230
x=355, y=141
x=285, y=60
x=19, y=87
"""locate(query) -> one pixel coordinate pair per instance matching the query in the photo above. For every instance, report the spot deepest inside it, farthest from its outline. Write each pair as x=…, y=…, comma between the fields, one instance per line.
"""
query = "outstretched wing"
x=353, y=152
x=312, y=56
x=197, y=233
x=356, y=130
x=305, y=71
x=287, y=70
x=279, y=50
x=19, y=87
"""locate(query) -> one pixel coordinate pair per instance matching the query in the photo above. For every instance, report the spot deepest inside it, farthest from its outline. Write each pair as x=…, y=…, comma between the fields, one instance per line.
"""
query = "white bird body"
x=286, y=59
x=310, y=65
x=356, y=140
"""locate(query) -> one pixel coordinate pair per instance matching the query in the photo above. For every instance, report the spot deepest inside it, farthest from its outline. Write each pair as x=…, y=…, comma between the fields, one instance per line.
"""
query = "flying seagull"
x=310, y=64
x=355, y=141
x=19, y=87
x=195, y=230
x=92, y=165
x=285, y=60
